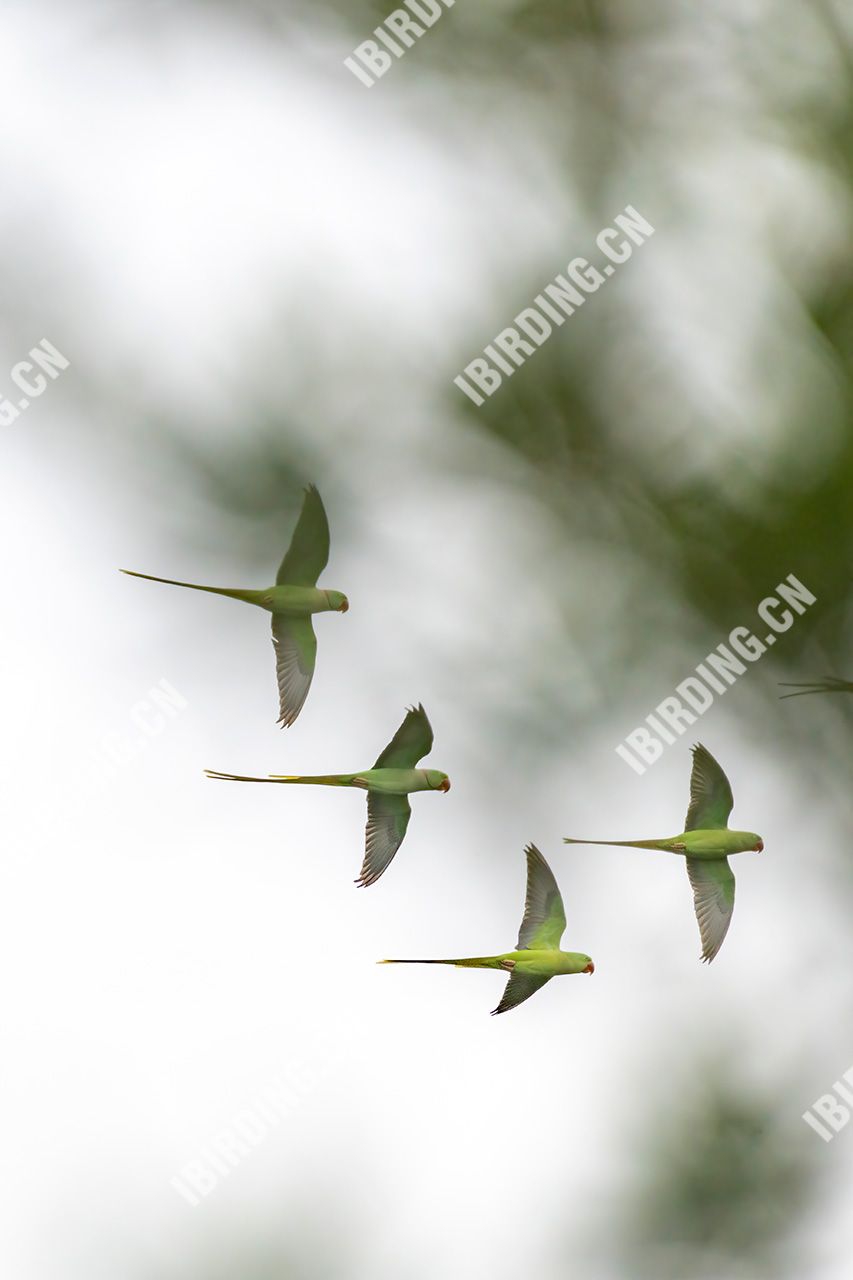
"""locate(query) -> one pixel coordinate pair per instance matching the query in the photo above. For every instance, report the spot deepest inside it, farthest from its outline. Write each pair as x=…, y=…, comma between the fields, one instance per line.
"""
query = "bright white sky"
x=172, y=944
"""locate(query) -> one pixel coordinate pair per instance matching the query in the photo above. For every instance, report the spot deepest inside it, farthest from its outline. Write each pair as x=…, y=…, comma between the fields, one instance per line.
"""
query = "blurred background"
x=265, y=274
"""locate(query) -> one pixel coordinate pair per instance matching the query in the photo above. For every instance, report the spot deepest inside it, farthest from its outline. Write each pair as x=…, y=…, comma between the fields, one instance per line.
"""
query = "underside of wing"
x=714, y=899
x=711, y=799
x=544, y=920
x=387, y=820
x=308, y=553
x=411, y=742
x=295, y=654
x=521, y=987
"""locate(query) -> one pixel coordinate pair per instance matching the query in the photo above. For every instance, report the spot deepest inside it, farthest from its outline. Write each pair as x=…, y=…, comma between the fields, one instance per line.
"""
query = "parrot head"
x=337, y=601
x=437, y=780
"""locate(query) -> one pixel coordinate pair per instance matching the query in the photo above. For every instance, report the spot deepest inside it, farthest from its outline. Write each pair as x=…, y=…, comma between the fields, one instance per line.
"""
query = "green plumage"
x=292, y=601
x=537, y=958
x=706, y=843
x=388, y=784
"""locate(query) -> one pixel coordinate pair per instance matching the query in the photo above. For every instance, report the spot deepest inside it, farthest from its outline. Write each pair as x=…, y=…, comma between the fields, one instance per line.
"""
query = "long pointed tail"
x=467, y=962
x=324, y=780
x=235, y=593
x=831, y=684
x=623, y=844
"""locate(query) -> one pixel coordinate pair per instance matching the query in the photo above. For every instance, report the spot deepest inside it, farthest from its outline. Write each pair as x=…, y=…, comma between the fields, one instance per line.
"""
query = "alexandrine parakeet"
x=705, y=842
x=829, y=684
x=388, y=785
x=537, y=957
x=291, y=601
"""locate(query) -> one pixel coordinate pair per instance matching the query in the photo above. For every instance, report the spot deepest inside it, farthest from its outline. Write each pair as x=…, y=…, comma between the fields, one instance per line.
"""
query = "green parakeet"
x=705, y=842
x=830, y=684
x=388, y=785
x=291, y=601
x=537, y=958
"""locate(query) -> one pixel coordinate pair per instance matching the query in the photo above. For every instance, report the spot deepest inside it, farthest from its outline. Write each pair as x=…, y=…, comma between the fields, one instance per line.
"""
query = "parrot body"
x=695, y=844
x=706, y=844
x=292, y=600
x=400, y=782
x=538, y=957
x=537, y=964
x=301, y=602
x=388, y=784
x=282, y=601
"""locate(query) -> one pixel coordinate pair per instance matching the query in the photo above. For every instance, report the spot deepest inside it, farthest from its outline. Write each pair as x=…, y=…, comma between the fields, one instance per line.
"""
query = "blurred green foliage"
x=723, y=1173
x=702, y=517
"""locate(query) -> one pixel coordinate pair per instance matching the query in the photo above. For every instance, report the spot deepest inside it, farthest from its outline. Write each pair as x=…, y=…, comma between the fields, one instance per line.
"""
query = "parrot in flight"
x=705, y=843
x=537, y=958
x=291, y=601
x=388, y=785
x=830, y=684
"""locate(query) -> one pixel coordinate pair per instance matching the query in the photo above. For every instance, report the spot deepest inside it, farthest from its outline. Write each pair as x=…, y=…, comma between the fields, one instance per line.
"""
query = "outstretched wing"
x=544, y=920
x=308, y=553
x=387, y=819
x=295, y=654
x=411, y=742
x=714, y=899
x=521, y=987
x=711, y=799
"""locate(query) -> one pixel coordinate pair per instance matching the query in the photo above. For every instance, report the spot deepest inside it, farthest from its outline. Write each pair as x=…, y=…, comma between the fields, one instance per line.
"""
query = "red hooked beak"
x=759, y=848
x=344, y=607
x=445, y=786
x=590, y=968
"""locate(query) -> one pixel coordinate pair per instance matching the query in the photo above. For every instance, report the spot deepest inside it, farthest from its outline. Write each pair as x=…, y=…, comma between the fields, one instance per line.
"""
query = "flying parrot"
x=706, y=843
x=537, y=958
x=291, y=601
x=388, y=785
x=830, y=684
